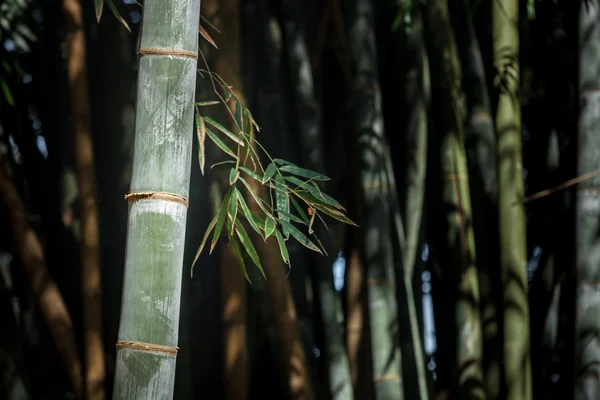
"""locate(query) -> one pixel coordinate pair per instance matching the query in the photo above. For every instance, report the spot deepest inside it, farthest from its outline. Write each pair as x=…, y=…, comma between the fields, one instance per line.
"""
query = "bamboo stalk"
x=86, y=184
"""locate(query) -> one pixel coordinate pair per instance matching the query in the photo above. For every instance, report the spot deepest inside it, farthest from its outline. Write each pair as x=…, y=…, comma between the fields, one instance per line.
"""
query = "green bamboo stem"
x=156, y=223
x=587, y=345
x=310, y=135
x=457, y=248
x=377, y=221
x=513, y=251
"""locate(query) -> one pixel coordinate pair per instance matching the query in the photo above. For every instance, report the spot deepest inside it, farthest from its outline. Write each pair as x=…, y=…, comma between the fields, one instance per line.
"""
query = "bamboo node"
x=147, y=347
x=158, y=51
x=174, y=198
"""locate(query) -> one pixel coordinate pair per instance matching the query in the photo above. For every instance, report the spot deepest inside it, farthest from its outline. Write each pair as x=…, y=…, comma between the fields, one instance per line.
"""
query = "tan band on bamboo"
x=147, y=347
x=158, y=51
x=174, y=198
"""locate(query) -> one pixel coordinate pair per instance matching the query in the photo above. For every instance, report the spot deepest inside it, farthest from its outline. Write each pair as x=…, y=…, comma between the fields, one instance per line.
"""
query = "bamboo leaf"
x=237, y=251
x=239, y=116
x=300, y=237
x=269, y=227
x=206, y=36
x=327, y=209
x=258, y=200
x=251, y=173
x=300, y=210
x=207, y=103
x=284, y=162
x=312, y=213
x=201, y=132
x=233, y=209
x=269, y=172
x=225, y=131
x=305, y=173
x=208, y=230
x=249, y=247
x=114, y=10
x=291, y=216
x=246, y=210
x=221, y=217
x=234, y=174
x=216, y=140
x=282, y=248
x=283, y=202
x=99, y=7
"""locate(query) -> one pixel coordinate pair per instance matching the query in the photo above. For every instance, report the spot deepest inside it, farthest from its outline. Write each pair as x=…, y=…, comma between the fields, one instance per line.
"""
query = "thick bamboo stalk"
x=587, y=345
x=480, y=144
x=45, y=291
x=457, y=247
x=513, y=251
x=310, y=135
x=86, y=184
x=148, y=331
x=374, y=175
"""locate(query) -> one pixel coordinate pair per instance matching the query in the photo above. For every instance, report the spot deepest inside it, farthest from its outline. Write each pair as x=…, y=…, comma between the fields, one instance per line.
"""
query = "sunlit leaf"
x=305, y=173
x=269, y=172
x=312, y=220
x=201, y=132
x=206, y=36
x=99, y=7
x=208, y=230
x=207, y=103
x=300, y=237
x=251, y=173
x=283, y=202
x=234, y=174
x=246, y=210
x=225, y=131
x=269, y=227
x=221, y=217
x=114, y=10
x=327, y=209
x=238, y=253
x=258, y=200
x=249, y=247
x=217, y=140
x=282, y=247
x=314, y=190
x=233, y=208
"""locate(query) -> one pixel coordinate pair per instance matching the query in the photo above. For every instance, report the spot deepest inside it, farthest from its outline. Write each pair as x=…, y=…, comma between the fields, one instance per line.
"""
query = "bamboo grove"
x=324, y=199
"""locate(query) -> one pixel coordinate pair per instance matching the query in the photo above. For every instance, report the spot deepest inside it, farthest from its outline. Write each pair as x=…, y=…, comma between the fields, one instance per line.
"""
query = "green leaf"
x=322, y=206
x=314, y=191
x=201, y=133
x=305, y=173
x=246, y=210
x=312, y=221
x=99, y=6
x=269, y=172
x=207, y=103
x=7, y=94
x=234, y=174
x=220, y=143
x=251, y=173
x=282, y=247
x=239, y=116
x=283, y=202
x=284, y=162
x=269, y=227
x=237, y=251
x=221, y=217
x=300, y=210
x=114, y=10
x=258, y=200
x=208, y=230
x=249, y=247
x=300, y=237
x=290, y=216
x=225, y=131
x=233, y=208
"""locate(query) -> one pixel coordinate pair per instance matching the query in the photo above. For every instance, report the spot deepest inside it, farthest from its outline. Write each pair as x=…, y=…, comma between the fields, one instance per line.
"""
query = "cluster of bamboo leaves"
x=288, y=185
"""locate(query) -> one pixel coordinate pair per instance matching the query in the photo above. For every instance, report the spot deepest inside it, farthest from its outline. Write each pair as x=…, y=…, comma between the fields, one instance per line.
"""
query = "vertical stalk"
x=86, y=185
x=376, y=185
x=310, y=134
x=517, y=363
x=587, y=350
x=148, y=331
